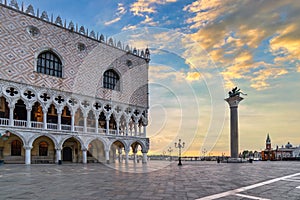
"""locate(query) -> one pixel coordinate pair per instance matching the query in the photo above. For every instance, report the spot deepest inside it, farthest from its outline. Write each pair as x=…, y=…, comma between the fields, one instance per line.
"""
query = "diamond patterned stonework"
x=20, y=49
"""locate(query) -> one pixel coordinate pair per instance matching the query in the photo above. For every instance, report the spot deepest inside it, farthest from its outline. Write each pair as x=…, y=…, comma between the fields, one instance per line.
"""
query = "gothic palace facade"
x=67, y=94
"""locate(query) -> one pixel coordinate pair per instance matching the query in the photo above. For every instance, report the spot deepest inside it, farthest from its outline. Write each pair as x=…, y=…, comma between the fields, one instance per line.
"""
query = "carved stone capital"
x=27, y=147
x=234, y=101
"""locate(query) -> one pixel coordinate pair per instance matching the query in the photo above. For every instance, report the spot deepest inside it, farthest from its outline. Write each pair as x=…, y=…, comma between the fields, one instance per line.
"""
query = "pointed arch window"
x=16, y=147
x=49, y=63
x=111, y=80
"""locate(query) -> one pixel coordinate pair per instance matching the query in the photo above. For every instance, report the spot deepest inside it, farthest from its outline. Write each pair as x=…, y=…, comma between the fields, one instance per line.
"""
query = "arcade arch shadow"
x=71, y=150
x=43, y=150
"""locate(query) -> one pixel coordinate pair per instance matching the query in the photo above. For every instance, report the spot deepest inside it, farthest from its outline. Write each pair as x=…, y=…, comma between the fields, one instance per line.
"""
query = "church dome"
x=288, y=145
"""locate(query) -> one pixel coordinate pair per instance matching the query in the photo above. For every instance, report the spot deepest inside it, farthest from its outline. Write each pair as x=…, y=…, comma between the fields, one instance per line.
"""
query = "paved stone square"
x=155, y=180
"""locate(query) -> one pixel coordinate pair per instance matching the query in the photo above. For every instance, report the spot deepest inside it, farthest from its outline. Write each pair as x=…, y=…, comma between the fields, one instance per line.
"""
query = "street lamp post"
x=179, y=146
x=170, y=151
x=204, y=152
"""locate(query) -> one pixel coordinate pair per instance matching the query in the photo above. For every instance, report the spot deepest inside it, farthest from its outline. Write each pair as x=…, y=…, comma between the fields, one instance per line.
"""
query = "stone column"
x=27, y=155
x=134, y=156
x=97, y=124
x=144, y=157
x=120, y=154
x=28, y=124
x=118, y=125
x=135, y=128
x=58, y=155
x=145, y=123
x=45, y=111
x=107, y=127
x=140, y=129
x=11, y=115
x=84, y=156
x=130, y=129
x=126, y=133
x=59, y=120
x=73, y=121
x=107, y=156
x=127, y=156
x=145, y=130
x=84, y=123
x=234, y=136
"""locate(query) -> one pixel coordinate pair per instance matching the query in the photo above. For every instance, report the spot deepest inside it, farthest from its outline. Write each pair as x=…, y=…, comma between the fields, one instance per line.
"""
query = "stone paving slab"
x=156, y=180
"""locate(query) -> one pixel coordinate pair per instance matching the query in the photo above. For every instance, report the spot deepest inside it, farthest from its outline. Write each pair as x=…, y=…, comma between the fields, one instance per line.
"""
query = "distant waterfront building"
x=287, y=152
x=257, y=155
x=66, y=93
x=268, y=153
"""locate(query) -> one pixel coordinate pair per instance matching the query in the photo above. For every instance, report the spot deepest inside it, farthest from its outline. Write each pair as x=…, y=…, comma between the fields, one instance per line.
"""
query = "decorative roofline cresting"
x=71, y=27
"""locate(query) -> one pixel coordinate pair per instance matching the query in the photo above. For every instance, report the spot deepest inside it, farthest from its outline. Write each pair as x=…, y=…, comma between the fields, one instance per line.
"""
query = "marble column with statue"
x=233, y=100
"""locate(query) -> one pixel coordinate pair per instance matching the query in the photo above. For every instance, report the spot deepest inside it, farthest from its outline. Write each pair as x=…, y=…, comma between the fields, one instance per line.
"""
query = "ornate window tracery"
x=33, y=31
x=81, y=46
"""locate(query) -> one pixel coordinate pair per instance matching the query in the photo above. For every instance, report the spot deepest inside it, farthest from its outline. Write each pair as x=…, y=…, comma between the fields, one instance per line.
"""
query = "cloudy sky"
x=200, y=49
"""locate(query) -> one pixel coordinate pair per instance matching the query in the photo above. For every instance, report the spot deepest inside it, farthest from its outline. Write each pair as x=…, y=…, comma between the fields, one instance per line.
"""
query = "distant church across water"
x=67, y=94
x=287, y=152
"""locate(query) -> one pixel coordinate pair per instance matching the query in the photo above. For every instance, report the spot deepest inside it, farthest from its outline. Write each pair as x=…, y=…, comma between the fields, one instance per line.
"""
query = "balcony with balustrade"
x=37, y=119
x=37, y=126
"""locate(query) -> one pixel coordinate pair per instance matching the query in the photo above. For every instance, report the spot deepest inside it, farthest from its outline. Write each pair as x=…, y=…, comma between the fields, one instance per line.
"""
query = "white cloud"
x=143, y=7
x=231, y=32
x=129, y=27
x=207, y=11
x=121, y=10
x=112, y=21
x=149, y=21
x=193, y=76
x=165, y=73
x=262, y=75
